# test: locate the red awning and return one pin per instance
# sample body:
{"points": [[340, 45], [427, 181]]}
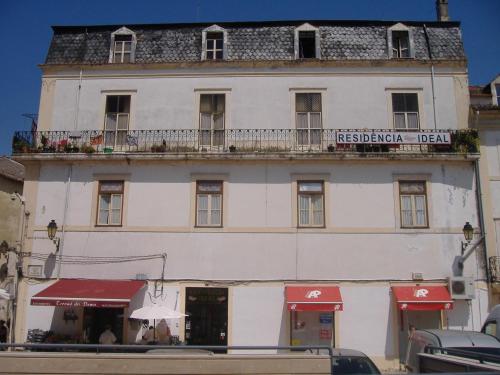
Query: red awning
{"points": [[313, 298], [422, 297], [88, 293]]}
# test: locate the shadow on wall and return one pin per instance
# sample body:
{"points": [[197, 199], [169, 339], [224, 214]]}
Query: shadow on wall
{"points": [[49, 266], [284, 334], [391, 351]]}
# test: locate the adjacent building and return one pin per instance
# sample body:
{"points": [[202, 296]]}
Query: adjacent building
{"points": [[280, 183], [485, 117]]}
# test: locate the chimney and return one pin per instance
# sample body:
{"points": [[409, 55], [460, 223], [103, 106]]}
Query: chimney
{"points": [[442, 10]]}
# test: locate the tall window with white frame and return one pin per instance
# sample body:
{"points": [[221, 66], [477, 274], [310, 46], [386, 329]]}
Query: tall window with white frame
{"points": [[311, 196], [308, 118], [215, 45], [400, 44], [209, 203], [110, 203], [497, 88], [122, 49], [413, 204], [117, 120], [212, 111], [405, 111]]}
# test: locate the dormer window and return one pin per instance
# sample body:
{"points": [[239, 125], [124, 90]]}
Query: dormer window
{"points": [[123, 43], [123, 49], [307, 42], [214, 43], [215, 46], [400, 42], [400, 45], [307, 45]]}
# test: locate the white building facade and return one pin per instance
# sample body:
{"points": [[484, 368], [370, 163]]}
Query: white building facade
{"points": [[281, 183]]}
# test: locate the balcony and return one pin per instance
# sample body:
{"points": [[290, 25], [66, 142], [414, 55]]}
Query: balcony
{"points": [[247, 141], [495, 269]]}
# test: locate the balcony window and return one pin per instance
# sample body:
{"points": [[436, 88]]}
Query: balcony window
{"points": [[117, 120], [308, 118], [212, 111]]}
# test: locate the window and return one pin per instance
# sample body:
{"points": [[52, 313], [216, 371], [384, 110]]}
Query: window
{"points": [[117, 118], [215, 46], [209, 203], [497, 88], [212, 109], [405, 110], [110, 203], [400, 44], [310, 204], [122, 50], [308, 118], [413, 204], [307, 44]]}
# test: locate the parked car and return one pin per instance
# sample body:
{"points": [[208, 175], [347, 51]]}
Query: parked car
{"points": [[348, 361], [491, 325], [452, 339]]}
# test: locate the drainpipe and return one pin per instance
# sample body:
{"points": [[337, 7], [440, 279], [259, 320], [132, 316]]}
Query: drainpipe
{"points": [[432, 76]]}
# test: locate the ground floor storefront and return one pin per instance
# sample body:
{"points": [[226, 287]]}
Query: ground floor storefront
{"points": [[374, 317]]}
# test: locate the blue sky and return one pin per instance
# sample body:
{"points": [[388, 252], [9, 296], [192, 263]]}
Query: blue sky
{"points": [[25, 32]]}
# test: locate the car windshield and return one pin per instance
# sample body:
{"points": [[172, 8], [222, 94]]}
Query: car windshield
{"points": [[353, 365]]}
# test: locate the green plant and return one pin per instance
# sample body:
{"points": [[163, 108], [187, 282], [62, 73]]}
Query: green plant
{"points": [[88, 149], [465, 141]]}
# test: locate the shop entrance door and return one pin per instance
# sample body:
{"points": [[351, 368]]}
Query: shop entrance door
{"points": [[96, 319], [206, 323], [419, 320]]}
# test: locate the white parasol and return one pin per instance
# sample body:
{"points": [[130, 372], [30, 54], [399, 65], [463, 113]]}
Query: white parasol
{"points": [[156, 312], [4, 294]]}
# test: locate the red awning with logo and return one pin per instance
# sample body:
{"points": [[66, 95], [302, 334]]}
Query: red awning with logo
{"points": [[313, 298], [88, 293], [422, 297]]}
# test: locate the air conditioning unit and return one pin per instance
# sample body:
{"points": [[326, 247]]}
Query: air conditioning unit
{"points": [[462, 287]]}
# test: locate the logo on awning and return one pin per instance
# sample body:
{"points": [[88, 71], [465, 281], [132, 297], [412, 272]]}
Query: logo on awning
{"points": [[421, 293], [313, 294]]}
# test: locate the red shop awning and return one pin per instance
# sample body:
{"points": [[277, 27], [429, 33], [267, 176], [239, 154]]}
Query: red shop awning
{"points": [[313, 298], [88, 293], [422, 297]]}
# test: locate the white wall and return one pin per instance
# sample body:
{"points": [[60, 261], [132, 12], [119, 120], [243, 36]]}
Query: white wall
{"points": [[354, 98]]}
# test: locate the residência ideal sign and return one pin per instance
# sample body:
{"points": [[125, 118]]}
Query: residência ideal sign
{"points": [[396, 138]]}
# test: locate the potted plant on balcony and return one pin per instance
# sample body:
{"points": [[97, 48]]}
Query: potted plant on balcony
{"points": [[465, 141], [232, 148], [88, 149]]}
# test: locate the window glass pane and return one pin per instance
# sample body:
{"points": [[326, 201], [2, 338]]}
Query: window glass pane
{"points": [[215, 217], [123, 38], [420, 210], [116, 201], [111, 186], [202, 217], [218, 55], [406, 216], [205, 121], [303, 210], [216, 202], [304, 217], [122, 121], [209, 186], [110, 121], [104, 201], [202, 202], [399, 121], [412, 187], [218, 120], [310, 186], [103, 217], [300, 102], [210, 55], [302, 120], [302, 137], [405, 102], [112, 103], [315, 102], [124, 104], [126, 57], [317, 206], [218, 44], [315, 137], [115, 217], [315, 120], [412, 120]]}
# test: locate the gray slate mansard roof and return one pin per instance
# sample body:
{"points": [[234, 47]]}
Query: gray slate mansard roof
{"points": [[253, 41]]}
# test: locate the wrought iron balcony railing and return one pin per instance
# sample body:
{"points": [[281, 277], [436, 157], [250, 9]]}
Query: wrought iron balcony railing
{"points": [[495, 269], [244, 140]]}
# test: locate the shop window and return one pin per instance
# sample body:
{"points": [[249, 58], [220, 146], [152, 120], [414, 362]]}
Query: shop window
{"points": [[405, 111], [310, 204], [212, 111], [413, 204], [312, 328], [209, 203], [110, 203], [308, 118], [116, 123]]}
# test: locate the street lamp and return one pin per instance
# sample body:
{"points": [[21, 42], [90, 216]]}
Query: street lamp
{"points": [[51, 233]]}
